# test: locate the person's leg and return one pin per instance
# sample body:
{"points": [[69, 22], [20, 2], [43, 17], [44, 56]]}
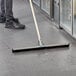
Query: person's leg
{"points": [[9, 13], [3, 7], [2, 12], [11, 22]]}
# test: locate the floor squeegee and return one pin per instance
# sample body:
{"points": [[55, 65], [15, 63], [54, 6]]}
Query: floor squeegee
{"points": [[40, 43]]}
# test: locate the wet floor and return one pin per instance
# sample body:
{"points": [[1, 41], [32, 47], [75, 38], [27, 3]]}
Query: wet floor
{"points": [[52, 62]]}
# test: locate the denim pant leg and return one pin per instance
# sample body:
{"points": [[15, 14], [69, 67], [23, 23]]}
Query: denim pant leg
{"points": [[3, 7], [9, 13]]}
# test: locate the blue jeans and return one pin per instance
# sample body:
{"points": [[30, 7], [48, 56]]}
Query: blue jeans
{"points": [[6, 8]]}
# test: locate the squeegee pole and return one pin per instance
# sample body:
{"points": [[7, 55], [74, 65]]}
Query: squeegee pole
{"points": [[35, 21]]}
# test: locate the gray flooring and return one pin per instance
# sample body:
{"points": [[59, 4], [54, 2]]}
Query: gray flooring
{"points": [[52, 62]]}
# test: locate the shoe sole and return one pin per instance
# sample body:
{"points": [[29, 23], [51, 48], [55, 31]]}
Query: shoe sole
{"points": [[10, 27]]}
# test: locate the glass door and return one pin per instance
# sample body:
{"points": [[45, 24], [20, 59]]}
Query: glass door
{"points": [[56, 12], [74, 18], [37, 2], [52, 9], [66, 15], [45, 6]]}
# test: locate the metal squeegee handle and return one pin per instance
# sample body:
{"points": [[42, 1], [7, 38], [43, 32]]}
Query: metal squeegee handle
{"points": [[35, 21]]}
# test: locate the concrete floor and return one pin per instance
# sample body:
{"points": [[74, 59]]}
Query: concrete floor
{"points": [[52, 62]]}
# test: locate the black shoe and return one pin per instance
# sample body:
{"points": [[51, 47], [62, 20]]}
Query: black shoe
{"points": [[15, 20], [14, 25], [2, 19]]}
